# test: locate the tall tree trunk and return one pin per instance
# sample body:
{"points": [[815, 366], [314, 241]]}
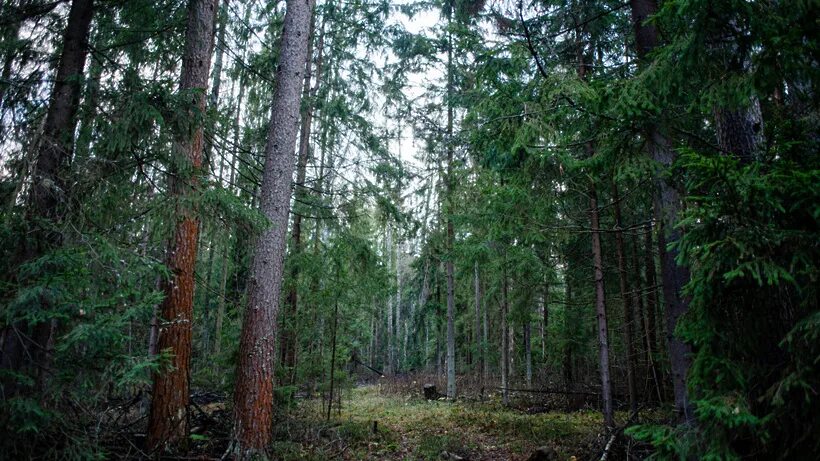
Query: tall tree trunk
{"points": [[647, 317], [451, 302], [168, 421], [48, 196], [89, 111], [600, 311], [505, 336], [652, 293], [485, 344], [667, 207], [223, 281], [597, 265], [399, 340], [333, 356], [545, 325], [629, 317], [479, 357], [213, 105], [388, 251], [566, 362], [511, 349], [528, 352], [288, 341], [253, 397]]}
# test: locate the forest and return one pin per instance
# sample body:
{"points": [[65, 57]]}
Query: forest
{"points": [[410, 230]]}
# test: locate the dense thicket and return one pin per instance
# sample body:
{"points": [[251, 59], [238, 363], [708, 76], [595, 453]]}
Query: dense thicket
{"points": [[589, 197]]}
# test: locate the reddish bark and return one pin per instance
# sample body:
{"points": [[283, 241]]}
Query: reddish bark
{"points": [[167, 422]]}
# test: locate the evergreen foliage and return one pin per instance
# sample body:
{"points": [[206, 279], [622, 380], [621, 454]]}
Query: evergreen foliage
{"points": [[502, 120]]}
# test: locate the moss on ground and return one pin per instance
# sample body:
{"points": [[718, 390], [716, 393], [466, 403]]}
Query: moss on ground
{"points": [[409, 428]]}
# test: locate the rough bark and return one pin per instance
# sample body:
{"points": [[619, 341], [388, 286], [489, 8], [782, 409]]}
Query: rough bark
{"points": [[740, 131], [674, 277], [26, 347], [600, 311], [288, 342], [253, 397], [667, 207], [739, 128], [168, 422], [629, 317]]}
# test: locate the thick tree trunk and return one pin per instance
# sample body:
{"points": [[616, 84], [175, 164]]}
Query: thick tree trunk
{"points": [[674, 277], [31, 351], [253, 397], [168, 421], [740, 131], [667, 204], [629, 317]]}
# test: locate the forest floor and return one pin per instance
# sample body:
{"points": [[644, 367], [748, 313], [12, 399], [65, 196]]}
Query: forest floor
{"points": [[407, 427]]}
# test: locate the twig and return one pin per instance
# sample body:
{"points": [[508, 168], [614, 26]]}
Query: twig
{"points": [[616, 433]]}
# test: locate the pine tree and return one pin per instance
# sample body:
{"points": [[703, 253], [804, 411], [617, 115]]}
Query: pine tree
{"points": [[168, 420], [253, 397]]}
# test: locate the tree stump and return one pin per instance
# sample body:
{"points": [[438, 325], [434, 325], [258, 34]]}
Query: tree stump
{"points": [[430, 392], [544, 454]]}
